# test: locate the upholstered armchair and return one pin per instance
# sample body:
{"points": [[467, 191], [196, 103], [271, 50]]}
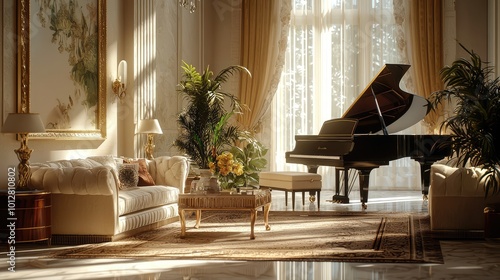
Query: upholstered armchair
{"points": [[457, 198]]}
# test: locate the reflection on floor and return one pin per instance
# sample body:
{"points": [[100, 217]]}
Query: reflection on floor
{"points": [[464, 259]]}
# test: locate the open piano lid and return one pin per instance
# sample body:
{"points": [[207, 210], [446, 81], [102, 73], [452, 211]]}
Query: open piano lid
{"points": [[399, 109]]}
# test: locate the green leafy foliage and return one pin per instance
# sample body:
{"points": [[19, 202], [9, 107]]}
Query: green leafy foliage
{"points": [[475, 124], [205, 128]]}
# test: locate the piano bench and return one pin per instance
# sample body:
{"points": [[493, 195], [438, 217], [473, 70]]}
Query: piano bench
{"points": [[290, 181]]}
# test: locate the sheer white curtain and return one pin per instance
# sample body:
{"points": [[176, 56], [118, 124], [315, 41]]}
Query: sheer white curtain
{"points": [[335, 48]]}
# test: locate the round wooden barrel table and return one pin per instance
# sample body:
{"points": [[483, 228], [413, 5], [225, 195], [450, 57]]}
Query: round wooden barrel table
{"points": [[25, 216]]}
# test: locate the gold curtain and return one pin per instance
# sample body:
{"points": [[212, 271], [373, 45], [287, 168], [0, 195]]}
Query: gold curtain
{"points": [[264, 33], [426, 28]]}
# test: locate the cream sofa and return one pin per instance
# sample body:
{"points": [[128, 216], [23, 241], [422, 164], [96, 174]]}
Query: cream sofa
{"points": [[457, 199], [90, 205]]}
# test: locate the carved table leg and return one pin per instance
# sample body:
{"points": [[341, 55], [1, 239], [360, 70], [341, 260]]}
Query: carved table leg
{"points": [[266, 216], [182, 219], [253, 215], [198, 219]]}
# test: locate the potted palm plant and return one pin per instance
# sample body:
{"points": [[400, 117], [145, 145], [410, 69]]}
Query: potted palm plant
{"points": [[475, 123], [205, 127]]}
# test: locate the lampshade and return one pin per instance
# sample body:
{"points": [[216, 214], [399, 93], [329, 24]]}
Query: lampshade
{"points": [[23, 123], [149, 126]]}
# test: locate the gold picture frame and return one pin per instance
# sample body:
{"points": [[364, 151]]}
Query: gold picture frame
{"points": [[62, 66]]}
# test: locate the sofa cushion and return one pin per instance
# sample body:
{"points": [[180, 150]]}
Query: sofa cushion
{"points": [[145, 179], [139, 198], [129, 175]]}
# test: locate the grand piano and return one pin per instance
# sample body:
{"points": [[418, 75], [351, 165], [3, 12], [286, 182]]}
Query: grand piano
{"points": [[362, 139]]}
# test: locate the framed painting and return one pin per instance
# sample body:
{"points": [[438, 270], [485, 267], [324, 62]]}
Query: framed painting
{"points": [[62, 66]]}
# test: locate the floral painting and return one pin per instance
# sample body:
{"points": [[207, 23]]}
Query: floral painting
{"points": [[66, 65]]}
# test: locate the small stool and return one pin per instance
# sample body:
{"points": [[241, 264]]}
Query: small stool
{"points": [[290, 181]]}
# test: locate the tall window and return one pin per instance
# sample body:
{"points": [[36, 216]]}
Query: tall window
{"points": [[335, 47]]}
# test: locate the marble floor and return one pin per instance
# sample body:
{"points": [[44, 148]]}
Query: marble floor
{"points": [[463, 259]]}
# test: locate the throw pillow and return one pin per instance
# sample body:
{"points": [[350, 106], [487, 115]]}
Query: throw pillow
{"points": [[145, 179], [128, 175]]}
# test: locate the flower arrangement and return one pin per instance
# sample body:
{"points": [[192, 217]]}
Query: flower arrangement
{"points": [[240, 166], [226, 168]]}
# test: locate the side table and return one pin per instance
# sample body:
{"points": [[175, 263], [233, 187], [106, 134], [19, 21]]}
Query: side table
{"points": [[25, 216]]}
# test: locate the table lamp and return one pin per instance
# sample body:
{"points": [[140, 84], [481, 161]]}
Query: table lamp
{"points": [[150, 127], [23, 124]]}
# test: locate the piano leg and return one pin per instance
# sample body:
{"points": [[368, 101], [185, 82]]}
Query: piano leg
{"points": [[338, 198], [425, 170], [312, 194], [337, 181], [346, 183], [364, 183]]}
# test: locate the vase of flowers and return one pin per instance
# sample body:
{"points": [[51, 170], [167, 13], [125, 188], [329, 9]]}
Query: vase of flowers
{"points": [[240, 166], [207, 183], [226, 168]]}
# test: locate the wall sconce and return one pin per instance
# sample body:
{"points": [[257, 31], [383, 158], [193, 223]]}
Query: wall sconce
{"points": [[120, 83], [23, 124], [151, 127]]}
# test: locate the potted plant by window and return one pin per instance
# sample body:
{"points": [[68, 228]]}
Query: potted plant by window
{"points": [[475, 123], [205, 127]]}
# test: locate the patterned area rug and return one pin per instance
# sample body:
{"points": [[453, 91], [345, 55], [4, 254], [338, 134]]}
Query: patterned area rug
{"points": [[294, 236]]}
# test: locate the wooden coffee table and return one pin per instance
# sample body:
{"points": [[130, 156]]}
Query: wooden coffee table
{"points": [[225, 202]]}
